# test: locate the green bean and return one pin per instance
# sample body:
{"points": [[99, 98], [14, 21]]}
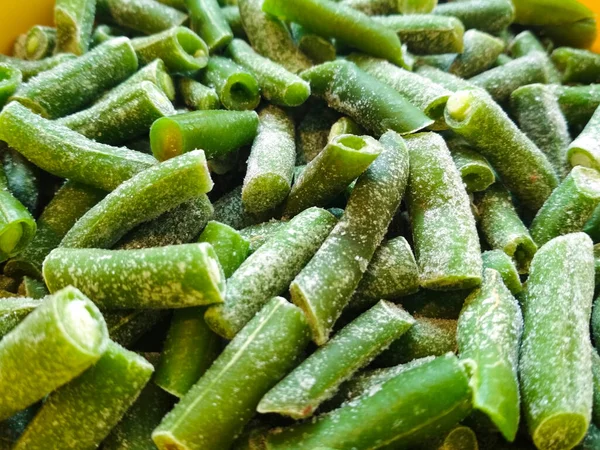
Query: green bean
{"points": [[237, 88], [374, 105], [317, 48], [177, 4], [488, 334], [342, 161], [13, 311], [372, 7], [71, 202], [209, 416], [10, 79], [229, 209], [103, 33], [523, 168], [301, 392], [32, 68], [74, 20], [121, 118], [233, 17], [40, 42], [313, 132], [82, 413], [33, 288], [446, 242], [52, 345], [155, 72], [216, 132], [189, 350], [584, 151], [447, 80], [555, 361], [539, 116], [344, 125], [258, 234], [502, 59], [180, 48], [425, 33], [525, 43], [429, 97], [145, 16], [569, 206], [18, 48], [277, 84], [577, 66], [207, 20], [591, 440], [372, 420], [476, 173], [229, 245], [578, 103], [324, 287], [68, 87], [489, 16], [269, 270], [271, 163], [270, 37], [66, 153], [505, 266], [144, 197], [597, 266], [596, 381], [479, 54], [127, 326], [24, 179], [197, 96]]}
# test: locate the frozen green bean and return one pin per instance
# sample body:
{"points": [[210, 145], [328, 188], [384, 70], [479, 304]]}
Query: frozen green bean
{"points": [[596, 378], [569, 206], [343, 159], [24, 179], [505, 266], [373, 7], [426, 34], [555, 361], [258, 234], [269, 270], [577, 66], [32, 68], [376, 106], [479, 54], [317, 48], [233, 17], [144, 16], [82, 413], [33, 288], [10, 79], [229, 209], [155, 72], [584, 150], [447, 80], [144, 197], [502, 59], [236, 87], [346, 25], [490, 16], [476, 173], [271, 162], [60, 339], [13, 311], [313, 132], [68, 87], [207, 20], [522, 167], [324, 287], [229, 245], [103, 33], [525, 43], [74, 20], [180, 48], [197, 96], [217, 408], [216, 132], [578, 103], [344, 125]]}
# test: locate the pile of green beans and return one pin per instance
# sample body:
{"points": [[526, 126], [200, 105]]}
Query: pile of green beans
{"points": [[301, 225]]}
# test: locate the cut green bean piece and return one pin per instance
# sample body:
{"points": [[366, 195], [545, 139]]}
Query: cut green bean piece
{"points": [[177, 276], [505, 266], [427, 337], [229, 209], [371, 103], [34, 288], [503, 229], [145, 16], [313, 132], [258, 234], [237, 88], [344, 159], [271, 162], [426, 95], [416, 6], [373, 7], [142, 198], [180, 48], [324, 287], [10, 79], [229, 245], [262, 353], [490, 16], [233, 17], [55, 343], [585, 150], [188, 352], [569, 207], [119, 119], [447, 80], [207, 20], [555, 361], [13, 311], [24, 179], [155, 72], [426, 34], [577, 66], [84, 411], [103, 33], [344, 125], [525, 43], [71, 202], [277, 84], [68, 87], [32, 68], [197, 96], [489, 332], [523, 168], [539, 116], [476, 173], [216, 132], [444, 232], [430, 398], [502, 59], [317, 48], [269, 270], [353, 347], [479, 54], [346, 25], [270, 37], [74, 20], [127, 326], [578, 103]]}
